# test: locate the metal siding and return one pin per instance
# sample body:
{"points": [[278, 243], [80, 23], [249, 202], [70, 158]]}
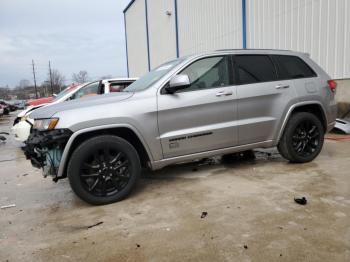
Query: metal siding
{"points": [[206, 25], [161, 28], [136, 39], [318, 27]]}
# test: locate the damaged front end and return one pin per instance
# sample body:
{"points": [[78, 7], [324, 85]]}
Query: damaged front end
{"points": [[45, 148]]}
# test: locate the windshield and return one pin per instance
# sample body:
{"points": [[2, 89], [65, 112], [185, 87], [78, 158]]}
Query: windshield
{"points": [[64, 92], [153, 76]]}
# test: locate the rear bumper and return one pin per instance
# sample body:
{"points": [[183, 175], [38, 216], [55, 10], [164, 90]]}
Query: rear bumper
{"points": [[342, 125]]}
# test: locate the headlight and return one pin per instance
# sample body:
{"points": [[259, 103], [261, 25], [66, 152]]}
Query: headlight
{"points": [[45, 124]]}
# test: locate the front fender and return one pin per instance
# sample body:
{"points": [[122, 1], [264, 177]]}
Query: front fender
{"points": [[71, 140]]}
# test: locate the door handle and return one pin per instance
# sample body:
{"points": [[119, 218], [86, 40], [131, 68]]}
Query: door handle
{"points": [[224, 93], [282, 86]]}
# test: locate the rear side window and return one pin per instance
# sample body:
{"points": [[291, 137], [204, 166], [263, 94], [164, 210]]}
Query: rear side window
{"points": [[292, 67]]}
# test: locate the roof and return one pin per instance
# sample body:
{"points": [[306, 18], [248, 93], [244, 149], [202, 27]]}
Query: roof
{"points": [[251, 49], [128, 6], [261, 51]]}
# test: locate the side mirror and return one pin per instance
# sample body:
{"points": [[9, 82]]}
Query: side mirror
{"points": [[177, 83]]}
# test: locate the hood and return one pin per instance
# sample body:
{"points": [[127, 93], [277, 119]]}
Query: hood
{"points": [[49, 110]]}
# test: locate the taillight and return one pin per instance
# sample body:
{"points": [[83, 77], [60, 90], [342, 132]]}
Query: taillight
{"points": [[332, 85]]}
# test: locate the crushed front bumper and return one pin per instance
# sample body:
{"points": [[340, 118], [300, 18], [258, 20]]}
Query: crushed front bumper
{"points": [[44, 149]]}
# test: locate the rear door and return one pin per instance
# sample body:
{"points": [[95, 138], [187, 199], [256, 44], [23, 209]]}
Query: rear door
{"points": [[262, 98], [202, 116]]}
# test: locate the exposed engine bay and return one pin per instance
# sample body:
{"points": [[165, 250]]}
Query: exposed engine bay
{"points": [[44, 149]]}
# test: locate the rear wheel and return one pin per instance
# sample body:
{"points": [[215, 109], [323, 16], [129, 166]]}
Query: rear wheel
{"points": [[302, 139], [103, 169]]}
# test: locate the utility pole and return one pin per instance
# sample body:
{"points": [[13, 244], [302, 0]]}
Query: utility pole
{"points": [[36, 91], [50, 77]]}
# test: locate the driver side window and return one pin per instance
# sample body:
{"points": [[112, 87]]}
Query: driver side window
{"points": [[211, 72]]}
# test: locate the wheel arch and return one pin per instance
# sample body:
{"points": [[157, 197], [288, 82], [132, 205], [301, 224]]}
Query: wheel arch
{"points": [[126, 132], [313, 107]]}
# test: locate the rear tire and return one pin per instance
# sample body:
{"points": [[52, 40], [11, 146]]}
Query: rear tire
{"points": [[103, 169], [302, 139]]}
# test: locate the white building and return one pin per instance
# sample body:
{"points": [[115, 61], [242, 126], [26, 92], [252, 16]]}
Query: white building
{"points": [[160, 30]]}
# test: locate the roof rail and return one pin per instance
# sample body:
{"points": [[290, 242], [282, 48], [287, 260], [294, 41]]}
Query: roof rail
{"points": [[256, 49]]}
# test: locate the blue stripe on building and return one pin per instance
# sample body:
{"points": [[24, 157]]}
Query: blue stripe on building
{"points": [[126, 48], [147, 35], [244, 24], [176, 31]]}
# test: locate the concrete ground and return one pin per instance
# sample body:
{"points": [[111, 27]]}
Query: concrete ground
{"points": [[251, 214]]}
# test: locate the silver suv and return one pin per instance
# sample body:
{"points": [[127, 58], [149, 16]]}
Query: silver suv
{"points": [[189, 108]]}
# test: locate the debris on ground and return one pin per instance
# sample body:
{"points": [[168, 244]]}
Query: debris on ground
{"points": [[300, 201], [95, 225], [8, 206], [204, 214], [25, 174], [205, 162], [267, 154], [2, 138], [137, 245], [238, 157], [245, 247]]}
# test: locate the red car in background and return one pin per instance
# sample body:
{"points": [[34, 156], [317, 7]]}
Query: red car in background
{"points": [[39, 101], [46, 100]]}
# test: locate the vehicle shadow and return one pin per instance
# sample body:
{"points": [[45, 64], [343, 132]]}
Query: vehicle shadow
{"points": [[206, 167]]}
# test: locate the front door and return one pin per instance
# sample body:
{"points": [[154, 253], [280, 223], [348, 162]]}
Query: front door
{"points": [[202, 116]]}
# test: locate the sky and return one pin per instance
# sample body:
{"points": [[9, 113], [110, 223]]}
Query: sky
{"points": [[73, 34]]}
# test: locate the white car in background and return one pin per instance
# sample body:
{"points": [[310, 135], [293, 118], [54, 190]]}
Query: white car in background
{"points": [[23, 123]]}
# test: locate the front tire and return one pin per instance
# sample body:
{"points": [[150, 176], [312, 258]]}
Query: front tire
{"points": [[103, 169], [302, 139]]}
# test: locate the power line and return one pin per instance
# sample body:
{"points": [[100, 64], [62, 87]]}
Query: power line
{"points": [[36, 91], [50, 77]]}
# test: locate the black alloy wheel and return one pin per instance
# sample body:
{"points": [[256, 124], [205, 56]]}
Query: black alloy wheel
{"points": [[103, 169], [105, 172], [302, 139], [306, 138]]}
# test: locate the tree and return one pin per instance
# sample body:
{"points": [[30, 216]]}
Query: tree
{"points": [[81, 77], [57, 80]]}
